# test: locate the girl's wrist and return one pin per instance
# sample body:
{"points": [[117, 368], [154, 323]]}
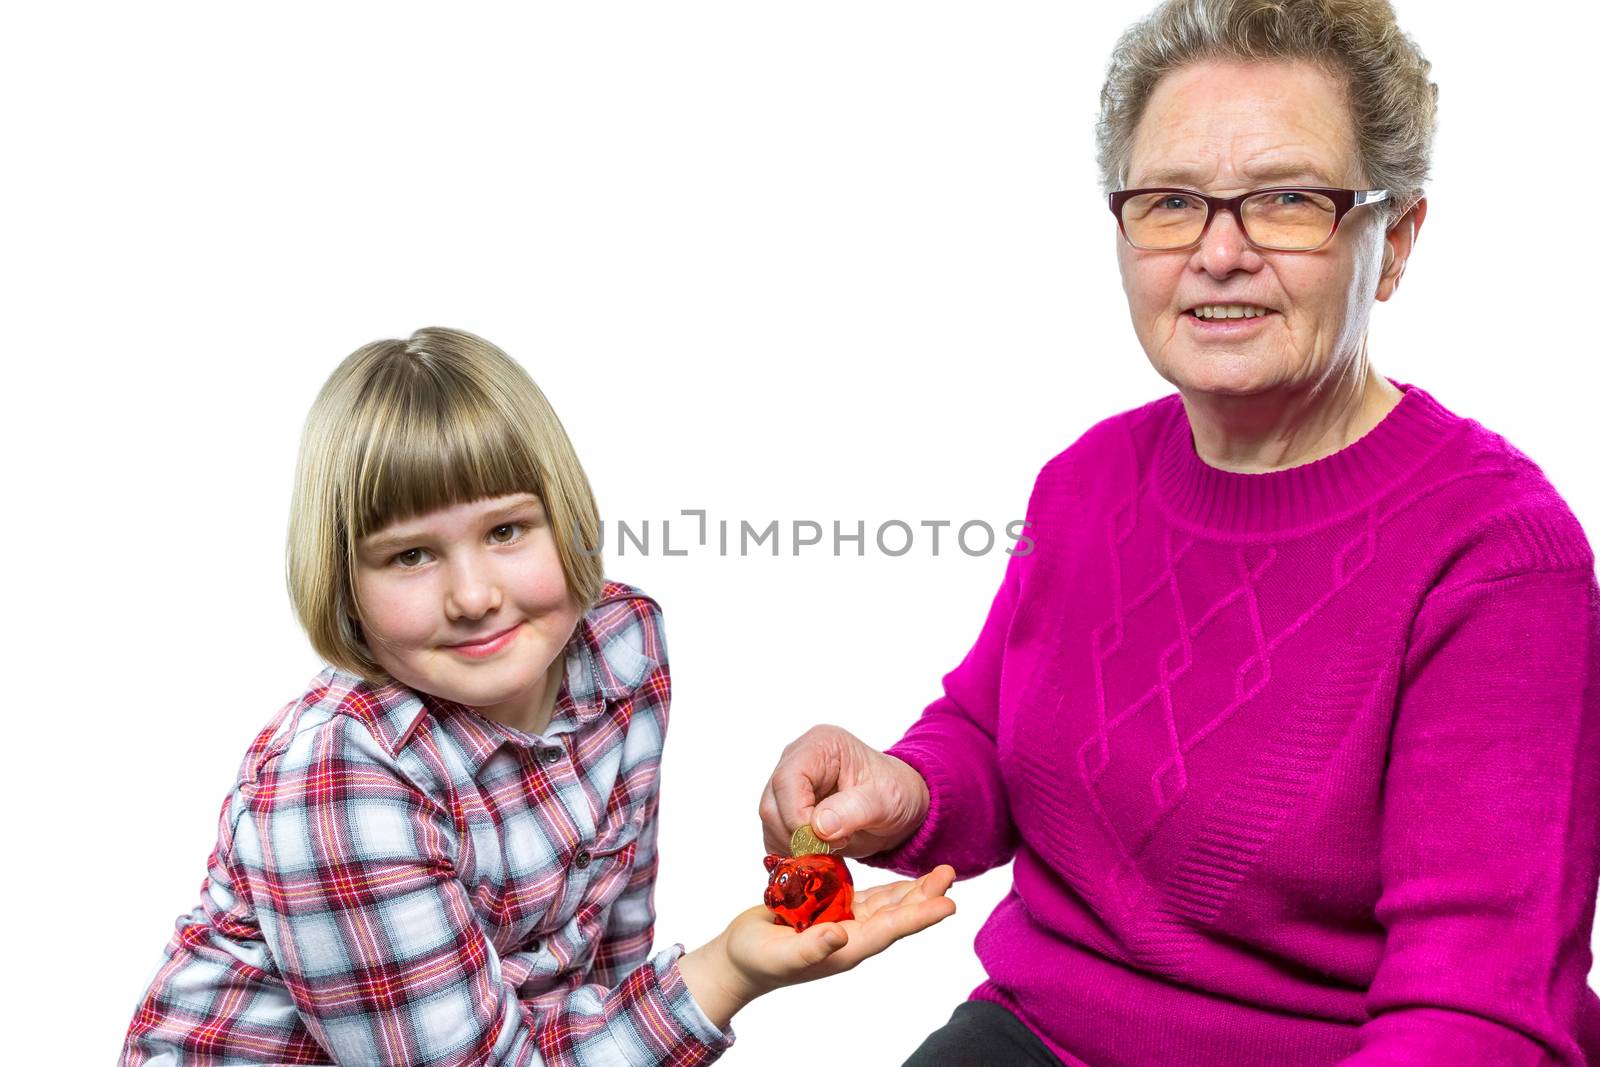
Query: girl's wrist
{"points": [[718, 986]]}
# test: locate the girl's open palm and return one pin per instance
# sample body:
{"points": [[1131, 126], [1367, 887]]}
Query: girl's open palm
{"points": [[772, 955]]}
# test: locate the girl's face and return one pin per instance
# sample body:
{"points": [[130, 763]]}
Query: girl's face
{"points": [[469, 603]]}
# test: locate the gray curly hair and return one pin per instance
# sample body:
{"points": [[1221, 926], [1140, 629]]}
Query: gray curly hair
{"points": [[1357, 42]]}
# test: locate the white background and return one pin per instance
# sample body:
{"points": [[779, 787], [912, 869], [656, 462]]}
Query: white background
{"points": [[829, 261]]}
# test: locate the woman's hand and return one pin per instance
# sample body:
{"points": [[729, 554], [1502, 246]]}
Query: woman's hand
{"points": [[852, 795], [756, 954]]}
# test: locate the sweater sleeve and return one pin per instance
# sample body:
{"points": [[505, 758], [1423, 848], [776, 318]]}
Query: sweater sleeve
{"points": [[953, 747], [954, 744], [1489, 849]]}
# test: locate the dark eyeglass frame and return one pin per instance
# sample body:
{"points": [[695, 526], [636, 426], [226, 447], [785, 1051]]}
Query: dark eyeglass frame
{"points": [[1344, 200]]}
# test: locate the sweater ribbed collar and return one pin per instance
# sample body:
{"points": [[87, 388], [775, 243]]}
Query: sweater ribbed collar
{"points": [[1306, 496]]}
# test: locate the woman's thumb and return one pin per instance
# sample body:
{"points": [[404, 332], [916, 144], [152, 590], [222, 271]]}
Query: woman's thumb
{"points": [[845, 812]]}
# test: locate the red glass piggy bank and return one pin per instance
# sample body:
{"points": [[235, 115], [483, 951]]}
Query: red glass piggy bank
{"points": [[805, 890]]}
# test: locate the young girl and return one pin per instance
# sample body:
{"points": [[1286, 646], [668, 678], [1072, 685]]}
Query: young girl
{"points": [[444, 851]]}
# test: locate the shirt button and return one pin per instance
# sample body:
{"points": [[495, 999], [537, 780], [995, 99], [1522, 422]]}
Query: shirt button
{"points": [[582, 858], [552, 754]]}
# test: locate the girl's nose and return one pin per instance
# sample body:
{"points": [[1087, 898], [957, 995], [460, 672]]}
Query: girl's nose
{"points": [[473, 591]]}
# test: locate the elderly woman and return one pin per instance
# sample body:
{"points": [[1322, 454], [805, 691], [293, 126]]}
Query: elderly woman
{"points": [[1290, 724]]}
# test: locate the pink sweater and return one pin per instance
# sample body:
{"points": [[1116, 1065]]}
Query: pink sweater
{"points": [[1294, 768]]}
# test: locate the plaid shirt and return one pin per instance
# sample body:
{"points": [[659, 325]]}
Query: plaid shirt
{"points": [[398, 880]]}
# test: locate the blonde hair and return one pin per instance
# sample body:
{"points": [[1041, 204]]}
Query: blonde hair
{"points": [[402, 428], [1357, 42]]}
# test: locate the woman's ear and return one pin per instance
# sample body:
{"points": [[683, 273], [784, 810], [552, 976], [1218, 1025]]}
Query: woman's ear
{"points": [[1398, 241]]}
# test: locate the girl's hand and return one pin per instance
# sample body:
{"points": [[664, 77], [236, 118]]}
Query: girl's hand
{"points": [[756, 954], [771, 955]]}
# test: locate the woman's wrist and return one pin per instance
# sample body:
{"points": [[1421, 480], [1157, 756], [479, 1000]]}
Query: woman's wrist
{"points": [[914, 799], [714, 982]]}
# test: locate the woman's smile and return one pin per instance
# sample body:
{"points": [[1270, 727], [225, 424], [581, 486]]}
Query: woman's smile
{"points": [[1207, 324]]}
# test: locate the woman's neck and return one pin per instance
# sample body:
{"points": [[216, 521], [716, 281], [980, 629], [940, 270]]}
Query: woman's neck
{"points": [[1275, 431]]}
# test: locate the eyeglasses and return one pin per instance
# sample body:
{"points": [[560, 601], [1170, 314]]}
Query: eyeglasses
{"points": [[1280, 219]]}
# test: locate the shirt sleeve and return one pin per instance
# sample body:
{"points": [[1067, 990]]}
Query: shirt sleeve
{"points": [[351, 870], [630, 924], [1489, 837], [954, 743]]}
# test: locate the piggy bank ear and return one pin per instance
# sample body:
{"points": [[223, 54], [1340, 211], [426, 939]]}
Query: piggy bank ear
{"points": [[814, 882], [772, 861]]}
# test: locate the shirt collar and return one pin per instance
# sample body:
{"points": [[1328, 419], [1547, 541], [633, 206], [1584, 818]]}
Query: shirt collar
{"points": [[603, 666]]}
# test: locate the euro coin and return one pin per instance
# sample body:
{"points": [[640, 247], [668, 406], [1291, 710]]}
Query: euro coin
{"points": [[805, 843]]}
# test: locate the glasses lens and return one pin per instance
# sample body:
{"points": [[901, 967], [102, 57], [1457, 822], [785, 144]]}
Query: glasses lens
{"points": [[1163, 220], [1288, 219]]}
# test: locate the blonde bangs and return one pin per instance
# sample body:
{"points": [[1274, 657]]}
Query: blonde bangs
{"points": [[423, 443]]}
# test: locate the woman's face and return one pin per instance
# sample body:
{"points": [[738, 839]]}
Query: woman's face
{"points": [[1223, 129], [461, 574]]}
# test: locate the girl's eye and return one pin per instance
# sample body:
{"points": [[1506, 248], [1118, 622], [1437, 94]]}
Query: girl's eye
{"points": [[401, 558]]}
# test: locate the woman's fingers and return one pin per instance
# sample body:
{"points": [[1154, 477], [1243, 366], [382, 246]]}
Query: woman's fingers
{"points": [[861, 807], [772, 822], [856, 798], [795, 785]]}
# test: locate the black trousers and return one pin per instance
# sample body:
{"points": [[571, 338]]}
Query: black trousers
{"points": [[982, 1034]]}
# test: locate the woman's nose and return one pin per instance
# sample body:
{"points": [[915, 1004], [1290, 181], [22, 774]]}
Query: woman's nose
{"points": [[1223, 249]]}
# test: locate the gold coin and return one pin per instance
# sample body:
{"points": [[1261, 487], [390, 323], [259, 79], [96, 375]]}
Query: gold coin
{"points": [[806, 843]]}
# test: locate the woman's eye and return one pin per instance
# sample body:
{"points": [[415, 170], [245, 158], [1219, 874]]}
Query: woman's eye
{"points": [[1174, 202]]}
